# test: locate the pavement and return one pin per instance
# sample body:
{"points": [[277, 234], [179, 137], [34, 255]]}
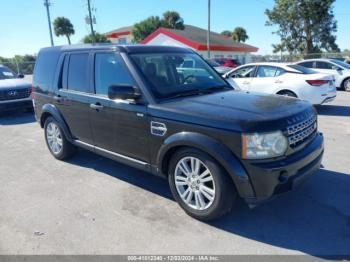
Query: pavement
{"points": [[92, 205]]}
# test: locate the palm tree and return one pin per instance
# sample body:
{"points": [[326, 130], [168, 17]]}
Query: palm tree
{"points": [[63, 27], [239, 35]]}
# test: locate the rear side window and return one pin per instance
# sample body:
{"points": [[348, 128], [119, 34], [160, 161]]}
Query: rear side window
{"points": [[302, 69], [110, 70], [309, 64], [45, 69], [77, 72], [323, 65], [266, 71]]}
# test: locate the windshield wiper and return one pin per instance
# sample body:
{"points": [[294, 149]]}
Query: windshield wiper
{"points": [[186, 93]]}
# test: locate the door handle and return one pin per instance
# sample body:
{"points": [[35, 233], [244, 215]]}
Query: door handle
{"points": [[246, 83], [278, 82], [96, 106]]}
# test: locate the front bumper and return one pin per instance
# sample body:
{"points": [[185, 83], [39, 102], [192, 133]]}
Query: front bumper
{"points": [[272, 178], [25, 103]]}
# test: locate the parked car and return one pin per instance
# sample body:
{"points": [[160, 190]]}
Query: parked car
{"points": [[220, 69], [133, 104], [340, 70], [227, 62], [14, 91], [284, 79]]}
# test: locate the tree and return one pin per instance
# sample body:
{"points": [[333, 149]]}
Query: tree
{"points": [[63, 27], [170, 19], [227, 33], [99, 38], [304, 26], [239, 34]]}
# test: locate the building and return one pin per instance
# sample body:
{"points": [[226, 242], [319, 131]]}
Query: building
{"points": [[122, 36], [194, 38]]}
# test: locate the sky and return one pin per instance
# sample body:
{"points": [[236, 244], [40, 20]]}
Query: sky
{"points": [[24, 26]]}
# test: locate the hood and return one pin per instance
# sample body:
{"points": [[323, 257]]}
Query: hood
{"points": [[235, 110], [14, 83]]}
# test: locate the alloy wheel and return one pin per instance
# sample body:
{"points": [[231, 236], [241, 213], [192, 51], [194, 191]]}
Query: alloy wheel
{"points": [[54, 138], [194, 183]]}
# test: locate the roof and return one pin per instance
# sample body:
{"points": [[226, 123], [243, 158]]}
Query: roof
{"points": [[196, 38], [119, 32], [121, 48]]}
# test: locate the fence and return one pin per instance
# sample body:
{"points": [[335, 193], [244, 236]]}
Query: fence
{"points": [[345, 56]]}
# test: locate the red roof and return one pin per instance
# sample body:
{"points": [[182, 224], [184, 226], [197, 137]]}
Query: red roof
{"points": [[195, 38]]}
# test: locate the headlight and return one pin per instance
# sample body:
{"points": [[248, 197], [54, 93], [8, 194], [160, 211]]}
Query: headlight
{"points": [[264, 145]]}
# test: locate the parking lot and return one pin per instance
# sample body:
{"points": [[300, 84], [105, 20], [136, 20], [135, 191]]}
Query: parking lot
{"points": [[92, 205]]}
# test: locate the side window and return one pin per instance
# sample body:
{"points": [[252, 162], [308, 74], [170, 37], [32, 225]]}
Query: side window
{"points": [[266, 71], [323, 65], [279, 71], [244, 72], [77, 72], [309, 64], [110, 70]]}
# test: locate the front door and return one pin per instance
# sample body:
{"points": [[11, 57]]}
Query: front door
{"points": [[267, 79], [119, 126], [242, 77]]}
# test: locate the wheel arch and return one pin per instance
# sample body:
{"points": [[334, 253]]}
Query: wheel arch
{"points": [[343, 82], [287, 90], [49, 110], [213, 148]]}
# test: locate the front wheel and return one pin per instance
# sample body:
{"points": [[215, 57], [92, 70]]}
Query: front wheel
{"points": [[346, 85], [200, 185]]}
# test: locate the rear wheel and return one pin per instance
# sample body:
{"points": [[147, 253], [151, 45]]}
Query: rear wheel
{"points": [[346, 85], [57, 143], [200, 185], [287, 93]]}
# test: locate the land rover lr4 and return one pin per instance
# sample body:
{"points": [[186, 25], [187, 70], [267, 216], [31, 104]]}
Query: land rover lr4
{"points": [[143, 106]]}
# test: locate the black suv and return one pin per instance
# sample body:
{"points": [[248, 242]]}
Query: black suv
{"points": [[140, 106]]}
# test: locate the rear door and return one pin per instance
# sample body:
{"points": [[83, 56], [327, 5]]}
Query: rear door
{"points": [[243, 77], [267, 79], [73, 96], [119, 126]]}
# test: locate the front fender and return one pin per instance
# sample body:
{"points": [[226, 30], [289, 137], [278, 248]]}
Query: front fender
{"points": [[216, 150], [50, 109]]}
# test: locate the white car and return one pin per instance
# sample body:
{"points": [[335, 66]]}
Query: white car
{"points": [[284, 79], [340, 70]]}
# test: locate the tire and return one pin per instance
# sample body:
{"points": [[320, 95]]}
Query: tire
{"points": [[346, 85], [287, 93], [56, 141], [202, 206]]}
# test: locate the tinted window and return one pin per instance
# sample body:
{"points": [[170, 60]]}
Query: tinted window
{"points": [[345, 65], [266, 71], [309, 64], [77, 72], [6, 73], [302, 69], [110, 70], [244, 72], [279, 71], [323, 65], [45, 68]]}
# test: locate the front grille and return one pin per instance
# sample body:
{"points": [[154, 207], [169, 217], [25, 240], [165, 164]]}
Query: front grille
{"points": [[302, 131], [13, 94]]}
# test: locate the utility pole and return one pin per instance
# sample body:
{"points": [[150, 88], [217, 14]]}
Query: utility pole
{"points": [[47, 4], [91, 23], [208, 31]]}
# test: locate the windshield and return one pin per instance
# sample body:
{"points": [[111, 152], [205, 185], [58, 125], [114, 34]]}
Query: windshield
{"points": [[178, 74], [342, 64], [213, 63], [6, 73], [302, 69]]}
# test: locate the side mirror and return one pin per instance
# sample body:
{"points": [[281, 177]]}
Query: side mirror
{"points": [[123, 92], [20, 76]]}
